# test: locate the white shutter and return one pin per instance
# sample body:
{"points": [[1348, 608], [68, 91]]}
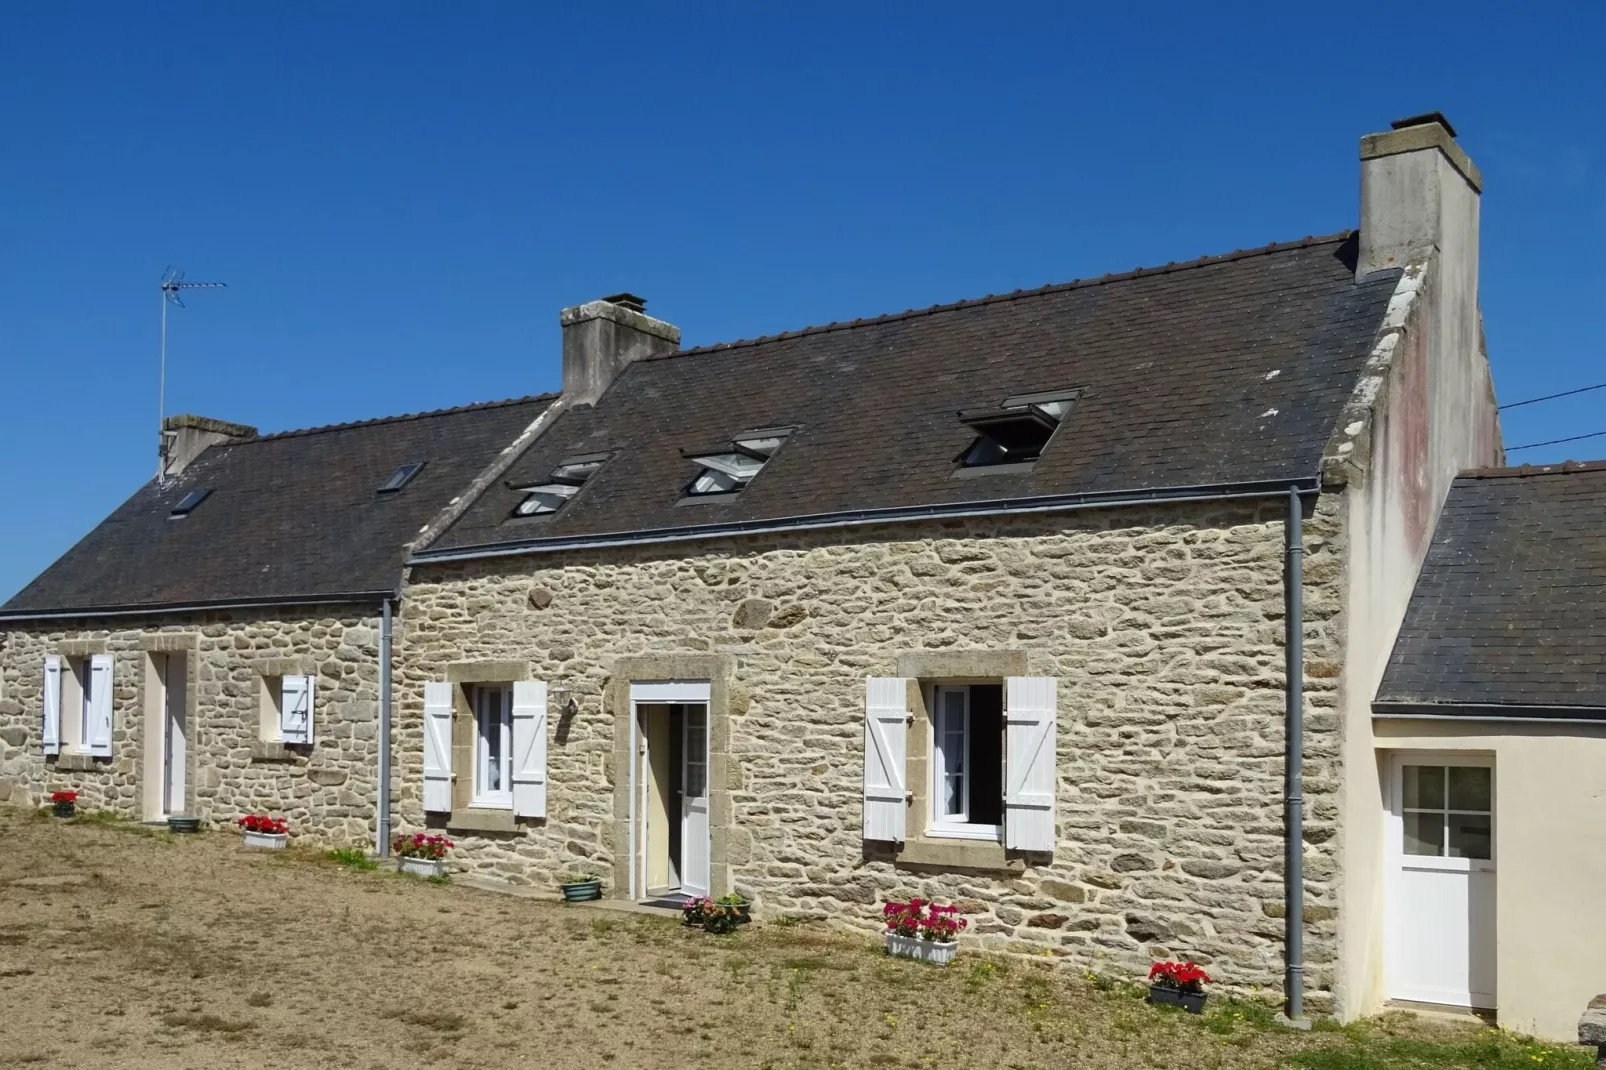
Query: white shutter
{"points": [[529, 748], [1029, 763], [438, 746], [295, 709], [51, 730], [100, 706], [886, 734]]}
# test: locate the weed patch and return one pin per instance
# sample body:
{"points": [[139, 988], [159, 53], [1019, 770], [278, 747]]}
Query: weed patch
{"points": [[352, 858]]}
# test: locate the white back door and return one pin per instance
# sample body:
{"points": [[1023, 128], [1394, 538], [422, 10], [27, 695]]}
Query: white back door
{"points": [[694, 849], [1441, 911]]}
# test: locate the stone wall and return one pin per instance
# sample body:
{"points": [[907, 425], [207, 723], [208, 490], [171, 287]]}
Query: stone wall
{"points": [[327, 791], [1164, 627]]}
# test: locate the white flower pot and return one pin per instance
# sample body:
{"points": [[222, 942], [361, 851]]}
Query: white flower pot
{"points": [[912, 947], [422, 867], [271, 841]]}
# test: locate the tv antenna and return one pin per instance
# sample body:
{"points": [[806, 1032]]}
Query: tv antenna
{"points": [[173, 287]]}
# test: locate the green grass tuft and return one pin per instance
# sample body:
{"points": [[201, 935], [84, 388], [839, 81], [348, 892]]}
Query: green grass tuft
{"points": [[352, 858]]}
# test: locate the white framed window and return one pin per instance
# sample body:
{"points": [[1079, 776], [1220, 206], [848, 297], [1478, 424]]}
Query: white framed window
{"points": [[79, 729], [1447, 811], [967, 761], [493, 746]]}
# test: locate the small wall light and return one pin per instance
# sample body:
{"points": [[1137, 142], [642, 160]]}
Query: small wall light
{"points": [[564, 697]]}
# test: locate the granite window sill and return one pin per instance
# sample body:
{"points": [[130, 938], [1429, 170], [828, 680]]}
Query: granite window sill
{"points": [[939, 853], [270, 750], [66, 762], [476, 819]]}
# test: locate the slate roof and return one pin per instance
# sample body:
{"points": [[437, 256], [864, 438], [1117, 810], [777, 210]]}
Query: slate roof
{"points": [[1508, 615], [1226, 370], [290, 516]]}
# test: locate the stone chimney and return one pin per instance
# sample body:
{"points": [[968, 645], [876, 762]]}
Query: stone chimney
{"points": [[184, 437], [1419, 193], [601, 337]]}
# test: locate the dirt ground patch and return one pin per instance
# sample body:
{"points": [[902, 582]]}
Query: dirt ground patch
{"points": [[120, 947]]}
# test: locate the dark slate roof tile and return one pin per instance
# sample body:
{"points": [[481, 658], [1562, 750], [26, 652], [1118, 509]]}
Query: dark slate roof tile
{"points": [[290, 515], [1174, 364], [1510, 606]]}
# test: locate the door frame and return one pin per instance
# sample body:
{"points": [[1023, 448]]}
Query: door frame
{"points": [[655, 693], [1394, 851]]}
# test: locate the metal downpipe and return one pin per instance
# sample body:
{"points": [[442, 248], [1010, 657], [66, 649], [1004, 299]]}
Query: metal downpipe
{"points": [[1294, 762], [382, 815]]}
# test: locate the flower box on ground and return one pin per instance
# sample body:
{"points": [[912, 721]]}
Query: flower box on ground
{"points": [[271, 841], [941, 952], [1192, 1002], [63, 809], [422, 867], [581, 891]]}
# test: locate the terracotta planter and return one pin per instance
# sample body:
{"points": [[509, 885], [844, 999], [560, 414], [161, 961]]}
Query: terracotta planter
{"points": [[422, 867], [940, 952], [1192, 1002], [269, 841]]}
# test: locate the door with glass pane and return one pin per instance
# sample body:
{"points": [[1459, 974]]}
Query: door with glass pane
{"points": [[694, 802], [1441, 922]]}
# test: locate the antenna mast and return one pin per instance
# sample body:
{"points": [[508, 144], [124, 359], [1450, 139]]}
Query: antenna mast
{"points": [[173, 287]]}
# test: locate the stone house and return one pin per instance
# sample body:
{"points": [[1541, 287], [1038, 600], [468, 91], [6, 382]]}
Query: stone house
{"points": [[989, 601], [213, 647], [984, 602]]}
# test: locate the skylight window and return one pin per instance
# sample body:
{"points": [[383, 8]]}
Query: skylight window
{"points": [[188, 503], [400, 477], [564, 483], [1015, 433], [728, 471]]}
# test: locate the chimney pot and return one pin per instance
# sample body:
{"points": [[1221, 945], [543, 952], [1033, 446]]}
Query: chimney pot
{"points": [[1425, 119], [628, 300]]}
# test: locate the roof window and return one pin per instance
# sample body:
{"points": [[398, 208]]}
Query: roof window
{"points": [[564, 483], [1015, 433], [728, 470], [400, 477], [188, 503]]}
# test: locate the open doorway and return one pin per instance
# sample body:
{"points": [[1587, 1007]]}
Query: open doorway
{"points": [[167, 736], [671, 792]]}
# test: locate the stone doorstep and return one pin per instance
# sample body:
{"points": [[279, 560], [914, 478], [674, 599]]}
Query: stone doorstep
{"points": [[617, 906], [1443, 1011]]}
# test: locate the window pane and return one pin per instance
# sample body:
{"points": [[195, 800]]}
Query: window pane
{"points": [[1424, 787], [1424, 834], [951, 744], [1469, 836], [1471, 788]]}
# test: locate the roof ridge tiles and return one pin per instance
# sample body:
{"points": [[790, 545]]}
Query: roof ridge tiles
{"points": [[1338, 237], [399, 418], [1562, 468]]}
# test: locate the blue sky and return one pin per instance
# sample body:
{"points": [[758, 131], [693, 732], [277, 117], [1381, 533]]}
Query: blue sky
{"points": [[401, 200]]}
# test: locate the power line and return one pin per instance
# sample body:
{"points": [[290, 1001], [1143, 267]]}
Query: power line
{"points": [[1551, 397], [1556, 441]]}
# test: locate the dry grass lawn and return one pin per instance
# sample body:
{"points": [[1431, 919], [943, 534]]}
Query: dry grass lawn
{"points": [[120, 947]]}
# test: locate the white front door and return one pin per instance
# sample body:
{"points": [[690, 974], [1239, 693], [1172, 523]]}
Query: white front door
{"points": [[694, 802], [1441, 914], [175, 739]]}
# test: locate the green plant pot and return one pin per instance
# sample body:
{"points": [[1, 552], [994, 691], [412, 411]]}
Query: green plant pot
{"points": [[581, 891], [184, 824]]}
